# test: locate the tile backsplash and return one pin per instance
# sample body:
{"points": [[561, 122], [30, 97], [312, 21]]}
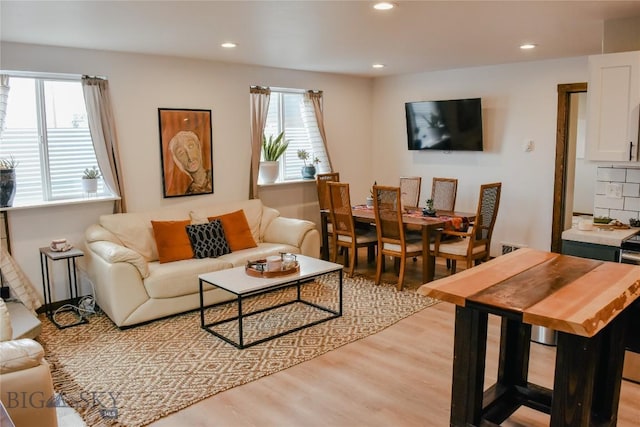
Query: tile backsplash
{"points": [[619, 208]]}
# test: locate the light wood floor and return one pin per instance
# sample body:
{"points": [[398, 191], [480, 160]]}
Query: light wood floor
{"points": [[398, 377]]}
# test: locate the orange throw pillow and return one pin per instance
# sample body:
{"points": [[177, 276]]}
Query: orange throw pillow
{"points": [[236, 230], [172, 240]]}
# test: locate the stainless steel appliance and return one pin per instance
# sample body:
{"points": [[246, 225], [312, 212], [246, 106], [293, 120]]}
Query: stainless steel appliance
{"points": [[630, 254]]}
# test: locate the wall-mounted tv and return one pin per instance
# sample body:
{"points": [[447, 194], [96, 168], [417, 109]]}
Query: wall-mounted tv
{"points": [[451, 125]]}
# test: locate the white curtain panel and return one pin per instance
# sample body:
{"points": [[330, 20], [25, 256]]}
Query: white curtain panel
{"points": [[259, 98], [103, 134]]}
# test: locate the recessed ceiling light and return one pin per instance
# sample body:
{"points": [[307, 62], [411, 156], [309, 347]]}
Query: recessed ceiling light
{"points": [[377, 66], [527, 46], [384, 5], [228, 45]]}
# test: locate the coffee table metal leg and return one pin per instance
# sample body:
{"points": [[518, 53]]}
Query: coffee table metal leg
{"points": [[241, 337], [201, 305], [340, 296]]}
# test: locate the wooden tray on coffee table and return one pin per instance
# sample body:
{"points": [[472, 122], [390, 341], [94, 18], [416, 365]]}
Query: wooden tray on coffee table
{"points": [[254, 272]]}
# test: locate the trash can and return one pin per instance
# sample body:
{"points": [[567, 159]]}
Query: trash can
{"points": [[543, 335]]}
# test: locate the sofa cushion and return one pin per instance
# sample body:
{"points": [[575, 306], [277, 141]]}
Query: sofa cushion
{"points": [[208, 240], [179, 278], [172, 240], [236, 230], [19, 354], [134, 229], [253, 210]]}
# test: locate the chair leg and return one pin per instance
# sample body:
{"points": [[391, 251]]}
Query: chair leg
{"points": [[448, 264], [379, 267], [403, 262], [371, 253], [334, 252], [453, 266], [352, 260]]}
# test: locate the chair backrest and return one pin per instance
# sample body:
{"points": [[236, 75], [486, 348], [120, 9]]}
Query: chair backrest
{"points": [[410, 190], [340, 208], [443, 193], [487, 212], [388, 211], [321, 184]]}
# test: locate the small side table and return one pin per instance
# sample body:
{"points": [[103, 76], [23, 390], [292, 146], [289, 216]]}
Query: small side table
{"points": [[46, 255]]}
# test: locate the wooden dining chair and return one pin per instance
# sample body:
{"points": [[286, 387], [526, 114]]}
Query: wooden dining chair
{"points": [[410, 191], [443, 194], [323, 200], [473, 245], [392, 237], [345, 234], [321, 183]]}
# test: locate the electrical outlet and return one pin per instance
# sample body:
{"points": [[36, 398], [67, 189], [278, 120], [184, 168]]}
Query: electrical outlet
{"points": [[613, 191]]}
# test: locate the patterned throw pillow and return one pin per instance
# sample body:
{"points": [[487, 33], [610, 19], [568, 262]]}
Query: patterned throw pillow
{"points": [[208, 240]]}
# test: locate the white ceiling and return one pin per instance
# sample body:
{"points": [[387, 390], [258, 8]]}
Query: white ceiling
{"points": [[329, 36]]}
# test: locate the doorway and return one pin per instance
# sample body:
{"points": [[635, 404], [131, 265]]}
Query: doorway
{"points": [[563, 182]]}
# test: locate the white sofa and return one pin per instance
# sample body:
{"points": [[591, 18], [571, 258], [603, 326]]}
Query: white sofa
{"points": [[26, 387], [132, 286]]}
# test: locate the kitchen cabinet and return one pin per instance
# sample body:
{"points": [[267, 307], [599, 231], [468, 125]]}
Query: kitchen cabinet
{"points": [[596, 244], [613, 107], [590, 250]]}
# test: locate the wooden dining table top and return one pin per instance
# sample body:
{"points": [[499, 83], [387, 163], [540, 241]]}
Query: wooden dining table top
{"points": [[413, 217], [565, 293]]}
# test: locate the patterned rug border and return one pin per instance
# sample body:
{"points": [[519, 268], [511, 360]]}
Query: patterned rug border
{"points": [[66, 383]]}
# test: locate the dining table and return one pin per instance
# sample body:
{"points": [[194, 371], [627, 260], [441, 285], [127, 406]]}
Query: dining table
{"points": [[413, 219], [587, 302]]}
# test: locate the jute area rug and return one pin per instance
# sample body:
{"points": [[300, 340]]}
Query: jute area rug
{"points": [[135, 376]]}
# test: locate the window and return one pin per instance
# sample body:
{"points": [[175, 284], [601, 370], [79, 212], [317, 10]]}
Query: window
{"points": [[289, 111], [46, 130]]}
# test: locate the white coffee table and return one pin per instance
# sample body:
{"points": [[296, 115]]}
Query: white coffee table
{"points": [[239, 283]]}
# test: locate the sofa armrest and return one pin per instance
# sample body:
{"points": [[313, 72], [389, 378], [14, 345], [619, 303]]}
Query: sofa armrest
{"points": [[26, 387], [114, 253], [289, 231], [17, 355]]}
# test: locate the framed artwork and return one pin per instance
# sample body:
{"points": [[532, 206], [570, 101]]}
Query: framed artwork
{"points": [[186, 152]]}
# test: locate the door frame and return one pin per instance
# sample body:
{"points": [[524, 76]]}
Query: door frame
{"points": [[562, 144]]}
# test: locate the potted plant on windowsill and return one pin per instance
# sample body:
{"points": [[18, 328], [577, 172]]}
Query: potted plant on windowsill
{"points": [[7, 181], [308, 170], [90, 178], [272, 150]]}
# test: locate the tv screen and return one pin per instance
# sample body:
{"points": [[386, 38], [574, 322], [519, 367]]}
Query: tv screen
{"points": [[449, 125]]}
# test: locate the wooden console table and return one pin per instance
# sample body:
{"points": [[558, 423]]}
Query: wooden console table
{"points": [[584, 300]]}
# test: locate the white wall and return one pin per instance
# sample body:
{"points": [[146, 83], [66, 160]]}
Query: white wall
{"points": [[519, 104], [139, 85], [365, 126]]}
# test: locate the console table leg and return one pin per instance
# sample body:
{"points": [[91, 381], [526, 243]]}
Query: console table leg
{"points": [[576, 361], [470, 347], [606, 390]]}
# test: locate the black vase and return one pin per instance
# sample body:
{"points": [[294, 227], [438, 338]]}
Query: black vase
{"points": [[7, 187]]}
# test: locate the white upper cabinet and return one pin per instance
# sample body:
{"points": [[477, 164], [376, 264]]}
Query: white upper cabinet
{"points": [[613, 107]]}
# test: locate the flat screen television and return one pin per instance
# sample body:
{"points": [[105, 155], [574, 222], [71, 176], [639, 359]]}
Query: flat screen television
{"points": [[451, 125]]}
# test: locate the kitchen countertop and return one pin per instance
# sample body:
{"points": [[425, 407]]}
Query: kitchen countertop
{"points": [[599, 236]]}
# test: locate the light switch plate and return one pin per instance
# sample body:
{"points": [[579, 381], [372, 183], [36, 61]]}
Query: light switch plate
{"points": [[614, 191]]}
